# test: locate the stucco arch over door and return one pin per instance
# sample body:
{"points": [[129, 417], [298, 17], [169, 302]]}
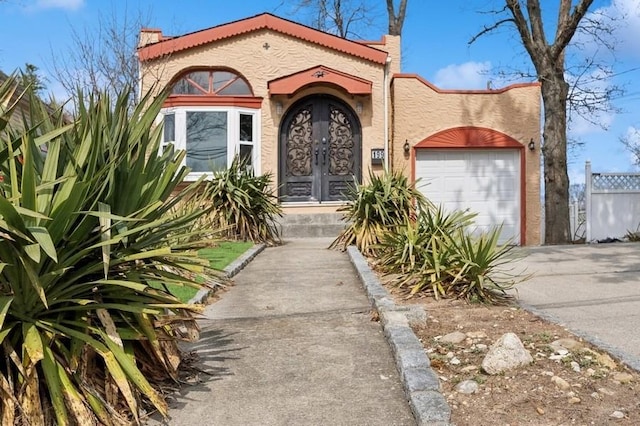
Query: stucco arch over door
{"points": [[479, 169], [320, 150]]}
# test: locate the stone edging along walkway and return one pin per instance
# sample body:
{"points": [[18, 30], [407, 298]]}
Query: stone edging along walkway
{"points": [[420, 382], [232, 269]]}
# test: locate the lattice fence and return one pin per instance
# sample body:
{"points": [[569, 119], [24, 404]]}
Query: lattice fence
{"points": [[615, 182], [612, 205]]}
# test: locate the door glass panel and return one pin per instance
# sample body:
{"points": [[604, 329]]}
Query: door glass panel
{"points": [[246, 128], [206, 140], [299, 144], [341, 144]]}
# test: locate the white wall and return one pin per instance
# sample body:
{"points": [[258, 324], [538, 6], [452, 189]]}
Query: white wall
{"points": [[611, 212]]}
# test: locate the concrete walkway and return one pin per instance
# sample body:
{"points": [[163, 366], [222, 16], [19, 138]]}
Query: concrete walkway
{"points": [[292, 343], [593, 290]]}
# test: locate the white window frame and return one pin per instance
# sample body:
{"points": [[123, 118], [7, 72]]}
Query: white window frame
{"points": [[233, 133]]}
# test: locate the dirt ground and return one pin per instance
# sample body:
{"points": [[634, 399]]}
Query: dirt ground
{"points": [[595, 389]]}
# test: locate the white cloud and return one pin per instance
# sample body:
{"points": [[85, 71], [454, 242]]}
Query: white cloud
{"points": [[59, 4], [622, 17], [631, 140], [469, 75]]}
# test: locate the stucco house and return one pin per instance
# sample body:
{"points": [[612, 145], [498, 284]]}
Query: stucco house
{"points": [[317, 110]]}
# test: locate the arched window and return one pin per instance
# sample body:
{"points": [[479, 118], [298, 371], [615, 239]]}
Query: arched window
{"points": [[213, 115], [212, 82]]}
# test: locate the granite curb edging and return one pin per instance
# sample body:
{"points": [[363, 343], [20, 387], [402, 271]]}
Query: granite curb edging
{"points": [[231, 270], [420, 382]]}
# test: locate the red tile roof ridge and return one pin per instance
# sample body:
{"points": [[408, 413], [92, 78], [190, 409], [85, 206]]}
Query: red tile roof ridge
{"points": [[254, 23]]}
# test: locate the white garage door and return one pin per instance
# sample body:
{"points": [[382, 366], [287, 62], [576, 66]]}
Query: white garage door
{"points": [[487, 182]]}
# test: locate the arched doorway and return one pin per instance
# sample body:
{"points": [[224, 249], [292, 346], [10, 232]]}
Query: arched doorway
{"points": [[320, 150]]}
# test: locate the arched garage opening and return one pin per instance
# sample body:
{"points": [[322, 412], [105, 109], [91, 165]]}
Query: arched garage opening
{"points": [[478, 169]]}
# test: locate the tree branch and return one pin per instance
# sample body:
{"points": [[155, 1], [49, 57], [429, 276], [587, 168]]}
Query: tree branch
{"points": [[568, 27], [488, 29]]}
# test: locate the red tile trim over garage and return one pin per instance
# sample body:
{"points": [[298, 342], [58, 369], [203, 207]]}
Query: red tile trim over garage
{"points": [[290, 84], [469, 137], [464, 92], [478, 138], [267, 21]]}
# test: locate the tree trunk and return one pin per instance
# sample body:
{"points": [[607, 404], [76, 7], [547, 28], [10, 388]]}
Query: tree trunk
{"points": [[554, 149], [396, 20]]}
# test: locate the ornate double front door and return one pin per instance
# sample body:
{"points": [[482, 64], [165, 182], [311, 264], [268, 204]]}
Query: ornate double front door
{"points": [[320, 150]]}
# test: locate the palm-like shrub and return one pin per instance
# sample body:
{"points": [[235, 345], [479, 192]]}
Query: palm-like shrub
{"points": [[376, 208], [243, 205], [85, 228], [437, 255]]}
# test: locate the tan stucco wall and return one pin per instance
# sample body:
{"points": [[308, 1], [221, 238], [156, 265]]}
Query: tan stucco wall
{"points": [[391, 45], [420, 111], [417, 110], [286, 55]]}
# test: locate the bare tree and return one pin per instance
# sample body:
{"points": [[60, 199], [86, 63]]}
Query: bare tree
{"points": [[396, 19], [102, 57], [344, 18], [349, 18], [631, 141], [560, 91]]}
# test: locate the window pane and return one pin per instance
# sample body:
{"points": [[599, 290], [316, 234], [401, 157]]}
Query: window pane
{"points": [[201, 78], [246, 154], [169, 128], [220, 78], [246, 127], [206, 140], [237, 88], [185, 86]]}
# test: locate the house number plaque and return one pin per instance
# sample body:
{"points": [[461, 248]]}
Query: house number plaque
{"points": [[377, 156]]}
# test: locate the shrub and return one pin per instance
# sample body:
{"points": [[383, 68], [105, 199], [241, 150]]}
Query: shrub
{"points": [[85, 228], [243, 205], [438, 256], [376, 208]]}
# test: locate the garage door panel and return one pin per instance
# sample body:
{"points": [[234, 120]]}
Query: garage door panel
{"points": [[486, 182]]}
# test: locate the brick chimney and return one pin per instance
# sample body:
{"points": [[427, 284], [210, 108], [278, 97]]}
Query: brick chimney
{"points": [[149, 36]]}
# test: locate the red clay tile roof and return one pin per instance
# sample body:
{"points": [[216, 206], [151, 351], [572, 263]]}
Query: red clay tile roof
{"points": [[259, 22], [290, 84]]}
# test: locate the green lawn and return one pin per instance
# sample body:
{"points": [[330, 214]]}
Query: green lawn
{"points": [[219, 257]]}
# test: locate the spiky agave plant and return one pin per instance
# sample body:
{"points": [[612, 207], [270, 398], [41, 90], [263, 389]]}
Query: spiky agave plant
{"points": [[375, 208], [243, 205], [439, 256], [85, 227]]}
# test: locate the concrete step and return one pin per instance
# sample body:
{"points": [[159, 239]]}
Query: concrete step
{"points": [[311, 225]]}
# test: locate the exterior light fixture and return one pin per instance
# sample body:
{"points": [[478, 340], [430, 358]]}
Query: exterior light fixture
{"points": [[279, 108], [359, 107], [407, 147], [532, 145]]}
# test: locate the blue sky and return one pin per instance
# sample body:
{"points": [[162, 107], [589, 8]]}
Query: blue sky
{"points": [[435, 45]]}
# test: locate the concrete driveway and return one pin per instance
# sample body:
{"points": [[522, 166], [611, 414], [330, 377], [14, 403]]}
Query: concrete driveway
{"points": [[593, 290]]}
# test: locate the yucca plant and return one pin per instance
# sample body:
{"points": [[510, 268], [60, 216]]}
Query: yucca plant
{"points": [[481, 273], [438, 255], [85, 228], [387, 201], [243, 205], [421, 251]]}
